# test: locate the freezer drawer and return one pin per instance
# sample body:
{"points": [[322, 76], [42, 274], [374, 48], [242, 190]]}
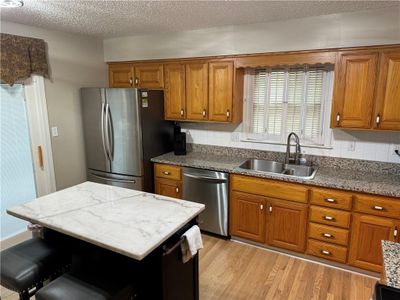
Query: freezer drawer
{"points": [[129, 182], [211, 189]]}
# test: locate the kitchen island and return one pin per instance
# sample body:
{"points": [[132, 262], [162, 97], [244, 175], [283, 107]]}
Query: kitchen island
{"points": [[132, 223]]}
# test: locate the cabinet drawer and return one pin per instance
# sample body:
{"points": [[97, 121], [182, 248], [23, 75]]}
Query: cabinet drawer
{"points": [[376, 205], [327, 251], [168, 171], [329, 216], [331, 198], [328, 234], [270, 188]]}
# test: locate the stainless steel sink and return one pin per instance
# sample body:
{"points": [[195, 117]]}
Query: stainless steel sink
{"points": [[269, 166]]}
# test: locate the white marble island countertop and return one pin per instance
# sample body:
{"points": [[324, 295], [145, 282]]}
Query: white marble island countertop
{"points": [[132, 223]]}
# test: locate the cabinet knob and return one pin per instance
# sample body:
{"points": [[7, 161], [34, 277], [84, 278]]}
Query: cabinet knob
{"points": [[177, 190], [204, 112], [325, 252], [328, 218], [166, 172], [327, 235], [228, 113], [130, 81], [136, 81], [395, 232], [378, 119], [330, 200], [270, 208], [182, 112], [261, 207], [337, 118], [377, 207]]}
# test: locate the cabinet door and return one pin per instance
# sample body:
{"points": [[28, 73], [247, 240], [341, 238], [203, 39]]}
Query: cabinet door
{"points": [[174, 92], [366, 236], [387, 108], [287, 222], [120, 75], [247, 216], [149, 76], [355, 76], [197, 91], [169, 188], [220, 91]]}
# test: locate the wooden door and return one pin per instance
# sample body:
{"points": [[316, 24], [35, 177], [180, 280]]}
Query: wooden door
{"points": [[149, 76], [169, 188], [220, 91], [197, 91], [366, 236], [120, 75], [286, 224], [174, 91], [353, 98], [387, 107], [247, 216]]}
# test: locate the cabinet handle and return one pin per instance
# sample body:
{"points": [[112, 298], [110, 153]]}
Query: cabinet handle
{"points": [[177, 190], [377, 207], [395, 232], [270, 208], [228, 113], [330, 200], [327, 235], [329, 218], [130, 81], [136, 81], [325, 252], [337, 118], [378, 119], [204, 112], [261, 207], [166, 173], [182, 112]]}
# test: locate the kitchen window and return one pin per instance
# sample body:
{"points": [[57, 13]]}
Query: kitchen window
{"points": [[282, 100]]}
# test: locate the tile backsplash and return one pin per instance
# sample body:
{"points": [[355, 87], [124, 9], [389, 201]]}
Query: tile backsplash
{"points": [[365, 145]]}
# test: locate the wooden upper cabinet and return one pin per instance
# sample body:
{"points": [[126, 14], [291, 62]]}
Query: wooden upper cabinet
{"points": [[197, 91], [355, 80], [366, 236], [149, 76], [174, 91], [247, 216], [387, 106], [220, 91], [120, 75], [287, 223]]}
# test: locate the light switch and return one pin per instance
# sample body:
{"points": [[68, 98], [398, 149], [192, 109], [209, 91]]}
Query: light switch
{"points": [[54, 131]]}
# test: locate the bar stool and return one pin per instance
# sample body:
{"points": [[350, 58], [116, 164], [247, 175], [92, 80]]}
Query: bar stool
{"points": [[24, 267]]}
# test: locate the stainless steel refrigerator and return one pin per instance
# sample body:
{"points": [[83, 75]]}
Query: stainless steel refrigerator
{"points": [[124, 129]]}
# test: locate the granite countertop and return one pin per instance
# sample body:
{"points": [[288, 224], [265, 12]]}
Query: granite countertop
{"points": [[347, 179], [391, 262], [130, 222]]}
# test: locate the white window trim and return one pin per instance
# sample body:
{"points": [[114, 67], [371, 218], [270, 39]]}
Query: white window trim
{"points": [[248, 137], [39, 131]]}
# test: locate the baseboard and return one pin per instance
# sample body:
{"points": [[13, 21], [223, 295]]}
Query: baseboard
{"points": [[16, 239]]}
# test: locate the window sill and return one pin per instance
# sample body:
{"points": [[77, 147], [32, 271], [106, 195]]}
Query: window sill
{"points": [[284, 144]]}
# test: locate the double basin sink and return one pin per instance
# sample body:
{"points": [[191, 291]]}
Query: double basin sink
{"points": [[274, 167]]}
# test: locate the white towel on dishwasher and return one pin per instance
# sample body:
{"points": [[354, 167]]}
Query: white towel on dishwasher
{"points": [[193, 242]]}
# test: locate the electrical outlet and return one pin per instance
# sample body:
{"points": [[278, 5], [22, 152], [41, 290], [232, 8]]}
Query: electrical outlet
{"points": [[351, 146], [54, 131]]}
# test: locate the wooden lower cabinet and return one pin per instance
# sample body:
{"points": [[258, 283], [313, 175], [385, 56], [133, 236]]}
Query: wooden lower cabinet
{"points": [[247, 216], [367, 233], [287, 223], [169, 188]]}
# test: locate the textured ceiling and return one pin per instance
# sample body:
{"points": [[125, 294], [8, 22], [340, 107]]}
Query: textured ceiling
{"points": [[102, 18]]}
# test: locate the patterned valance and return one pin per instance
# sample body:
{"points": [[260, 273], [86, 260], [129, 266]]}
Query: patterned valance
{"points": [[21, 57]]}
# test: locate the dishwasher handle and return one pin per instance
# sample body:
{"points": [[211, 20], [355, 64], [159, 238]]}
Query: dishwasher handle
{"points": [[206, 178]]}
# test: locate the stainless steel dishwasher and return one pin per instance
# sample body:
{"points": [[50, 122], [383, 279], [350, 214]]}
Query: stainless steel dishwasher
{"points": [[211, 189]]}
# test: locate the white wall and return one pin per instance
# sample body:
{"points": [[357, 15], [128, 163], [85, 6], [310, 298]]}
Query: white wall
{"points": [[75, 61], [337, 30]]}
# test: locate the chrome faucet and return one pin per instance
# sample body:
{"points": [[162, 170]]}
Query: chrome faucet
{"points": [[296, 158]]}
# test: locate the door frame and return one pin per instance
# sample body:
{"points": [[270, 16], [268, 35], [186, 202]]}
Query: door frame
{"points": [[39, 130]]}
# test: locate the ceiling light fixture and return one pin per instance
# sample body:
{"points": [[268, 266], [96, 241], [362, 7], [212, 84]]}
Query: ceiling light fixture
{"points": [[11, 3]]}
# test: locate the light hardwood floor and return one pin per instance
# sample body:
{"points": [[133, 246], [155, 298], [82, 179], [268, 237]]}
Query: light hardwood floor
{"points": [[235, 271]]}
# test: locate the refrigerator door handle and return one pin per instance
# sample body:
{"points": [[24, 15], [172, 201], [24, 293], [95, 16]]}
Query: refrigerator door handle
{"points": [[110, 133], [114, 179], [107, 132], [102, 131]]}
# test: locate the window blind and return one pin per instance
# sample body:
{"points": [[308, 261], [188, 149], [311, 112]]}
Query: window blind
{"points": [[288, 100]]}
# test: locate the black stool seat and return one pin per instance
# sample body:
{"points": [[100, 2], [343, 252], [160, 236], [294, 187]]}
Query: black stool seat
{"points": [[97, 287], [27, 264]]}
